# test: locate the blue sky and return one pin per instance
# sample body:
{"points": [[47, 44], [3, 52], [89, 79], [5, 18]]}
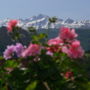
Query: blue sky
{"points": [[76, 9]]}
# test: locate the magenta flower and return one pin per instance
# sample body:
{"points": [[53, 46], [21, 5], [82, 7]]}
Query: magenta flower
{"points": [[11, 24], [32, 50], [9, 52], [75, 44], [75, 51], [67, 34]]}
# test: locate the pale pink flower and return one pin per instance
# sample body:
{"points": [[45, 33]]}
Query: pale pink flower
{"points": [[8, 53], [32, 50], [67, 33], [49, 53], [13, 50], [19, 48], [65, 49], [55, 45], [55, 41]]}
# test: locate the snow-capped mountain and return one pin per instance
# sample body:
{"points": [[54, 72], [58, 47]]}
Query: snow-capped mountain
{"points": [[42, 21]]}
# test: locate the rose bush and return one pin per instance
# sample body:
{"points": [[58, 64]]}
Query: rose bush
{"points": [[44, 64]]}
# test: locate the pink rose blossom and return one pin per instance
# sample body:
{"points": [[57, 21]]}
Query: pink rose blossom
{"points": [[11, 24], [75, 51], [55, 45], [9, 28], [49, 53], [54, 48], [65, 49], [75, 44], [67, 33], [68, 74], [55, 41], [32, 50]]}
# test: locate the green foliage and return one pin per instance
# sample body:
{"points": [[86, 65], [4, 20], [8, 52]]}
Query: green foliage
{"points": [[32, 86], [39, 38], [15, 34], [52, 20], [46, 73], [11, 63], [31, 29]]}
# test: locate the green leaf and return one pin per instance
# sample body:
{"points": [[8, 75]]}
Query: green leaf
{"points": [[11, 63], [32, 85], [88, 86], [31, 29], [35, 38], [42, 35], [1, 58]]}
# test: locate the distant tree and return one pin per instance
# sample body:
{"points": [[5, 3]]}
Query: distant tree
{"points": [[52, 20], [32, 29]]}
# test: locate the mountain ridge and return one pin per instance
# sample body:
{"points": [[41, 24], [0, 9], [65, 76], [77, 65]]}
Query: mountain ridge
{"points": [[41, 22]]}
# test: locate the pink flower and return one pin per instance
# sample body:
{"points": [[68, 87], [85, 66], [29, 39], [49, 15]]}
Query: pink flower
{"points": [[9, 52], [11, 24], [75, 51], [9, 69], [32, 50], [49, 53], [67, 33], [54, 48], [19, 48], [75, 44], [68, 75], [13, 50], [65, 49], [55, 41], [55, 45], [9, 28]]}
